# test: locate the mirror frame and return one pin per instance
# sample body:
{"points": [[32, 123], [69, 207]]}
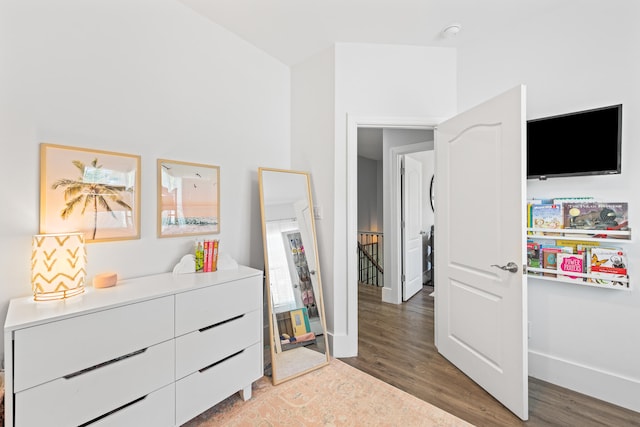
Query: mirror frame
{"points": [[319, 297]]}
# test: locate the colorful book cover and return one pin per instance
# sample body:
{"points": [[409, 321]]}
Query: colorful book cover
{"points": [[596, 216], [533, 256], [199, 254], [577, 246], [210, 258], [546, 216], [550, 260], [214, 256], [571, 263], [207, 256], [607, 264], [608, 260], [550, 255]]}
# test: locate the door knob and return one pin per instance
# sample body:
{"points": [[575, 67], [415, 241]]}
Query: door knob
{"points": [[511, 267]]}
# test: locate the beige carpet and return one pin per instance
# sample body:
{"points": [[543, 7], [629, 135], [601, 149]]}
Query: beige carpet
{"points": [[336, 395]]}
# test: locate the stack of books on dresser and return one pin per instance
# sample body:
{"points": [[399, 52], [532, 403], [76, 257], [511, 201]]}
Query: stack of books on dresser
{"points": [[206, 253]]}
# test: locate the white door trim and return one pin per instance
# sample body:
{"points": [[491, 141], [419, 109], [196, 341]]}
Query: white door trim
{"points": [[351, 235]]}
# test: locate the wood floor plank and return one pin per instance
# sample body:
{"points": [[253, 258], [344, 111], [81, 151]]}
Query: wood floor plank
{"points": [[396, 345]]}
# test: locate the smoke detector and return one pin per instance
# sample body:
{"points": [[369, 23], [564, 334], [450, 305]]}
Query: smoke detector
{"points": [[451, 30]]}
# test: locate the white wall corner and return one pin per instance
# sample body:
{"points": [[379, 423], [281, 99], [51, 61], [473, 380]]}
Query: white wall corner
{"points": [[342, 345]]}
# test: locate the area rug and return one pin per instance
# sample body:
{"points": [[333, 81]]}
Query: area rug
{"points": [[335, 395]]}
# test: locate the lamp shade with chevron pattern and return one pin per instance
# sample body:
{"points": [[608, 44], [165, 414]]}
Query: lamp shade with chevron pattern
{"points": [[58, 265]]}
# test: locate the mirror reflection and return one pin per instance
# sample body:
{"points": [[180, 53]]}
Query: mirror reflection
{"points": [[296, 313]]}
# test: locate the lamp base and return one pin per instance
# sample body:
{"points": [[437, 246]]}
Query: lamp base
{"points": [[56, 295]]}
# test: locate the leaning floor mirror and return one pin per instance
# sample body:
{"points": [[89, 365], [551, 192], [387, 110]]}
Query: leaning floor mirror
{"points": [[298, 338]]}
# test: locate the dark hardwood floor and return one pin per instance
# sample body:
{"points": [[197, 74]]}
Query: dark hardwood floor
{"points": [[396, 345]]}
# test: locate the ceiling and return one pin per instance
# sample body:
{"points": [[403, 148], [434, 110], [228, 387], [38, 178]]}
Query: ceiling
{"points": [[294, 30]]}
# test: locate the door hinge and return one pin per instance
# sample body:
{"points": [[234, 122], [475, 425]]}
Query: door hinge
{"points": [[402, 278]]}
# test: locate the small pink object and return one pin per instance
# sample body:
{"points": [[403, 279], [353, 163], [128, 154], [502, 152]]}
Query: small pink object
{"points": [[105, 280]]}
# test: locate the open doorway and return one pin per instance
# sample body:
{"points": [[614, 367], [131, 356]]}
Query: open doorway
{"points": [[381, 154]]}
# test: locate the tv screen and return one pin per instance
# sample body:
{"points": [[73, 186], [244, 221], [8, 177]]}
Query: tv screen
{"points": [[582, 143]]}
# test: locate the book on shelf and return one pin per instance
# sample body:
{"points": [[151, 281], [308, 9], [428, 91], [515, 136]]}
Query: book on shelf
{"points": [[533, 256], [550, 257], [549, 260], [596, 215], [561, 200], [608, 260], [577, 246], [571, 263], [530, 203], [546, 216], [607, 264]]}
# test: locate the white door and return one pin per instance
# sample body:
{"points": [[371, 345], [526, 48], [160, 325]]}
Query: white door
{"points": [[481, 310], [411, 184], [305, 222]]}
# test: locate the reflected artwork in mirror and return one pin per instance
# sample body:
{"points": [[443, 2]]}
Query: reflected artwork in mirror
{"points": [[298, 338]]}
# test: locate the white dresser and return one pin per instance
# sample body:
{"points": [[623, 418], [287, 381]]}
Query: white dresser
{"points": [[156, 350]]}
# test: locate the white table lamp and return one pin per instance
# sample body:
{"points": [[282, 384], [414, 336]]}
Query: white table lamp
{"points": [[58, 265]]}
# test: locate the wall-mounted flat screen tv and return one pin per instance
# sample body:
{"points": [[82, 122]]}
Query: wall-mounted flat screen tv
{"points": [[576, 144]]}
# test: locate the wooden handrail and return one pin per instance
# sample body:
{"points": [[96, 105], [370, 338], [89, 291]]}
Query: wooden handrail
{"points": [[369, 257]]}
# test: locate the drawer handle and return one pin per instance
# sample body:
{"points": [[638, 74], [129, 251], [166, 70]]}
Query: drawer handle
{"points": [[220, 323], [113, 411], [101, 365], [220, 361]]}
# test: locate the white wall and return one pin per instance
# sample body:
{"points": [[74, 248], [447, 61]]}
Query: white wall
{"points": [[585, 339], [147, 77], [381, 81], [369, 193], [312, 116], [428, 167]]}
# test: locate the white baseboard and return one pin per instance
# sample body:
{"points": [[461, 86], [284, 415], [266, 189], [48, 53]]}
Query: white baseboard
{"points": [[342, 345], [391, 296], [602, 385]]}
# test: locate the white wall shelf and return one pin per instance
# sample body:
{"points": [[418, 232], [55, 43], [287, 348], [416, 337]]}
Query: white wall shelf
{"points": [[559, 278], [613, 237], [622, 236]]}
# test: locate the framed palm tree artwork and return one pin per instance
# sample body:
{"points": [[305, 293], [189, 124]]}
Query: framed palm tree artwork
{"points": [[90, 191], [188, 198]]}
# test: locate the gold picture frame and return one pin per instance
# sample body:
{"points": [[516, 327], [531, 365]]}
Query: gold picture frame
{"points": [[188, 198], [94, 192]]}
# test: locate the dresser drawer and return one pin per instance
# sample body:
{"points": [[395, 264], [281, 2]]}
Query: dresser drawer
{"points": [[203, 347], [204, 307], [156, 409], [203, 389], [88, 395], [50, 351]]}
